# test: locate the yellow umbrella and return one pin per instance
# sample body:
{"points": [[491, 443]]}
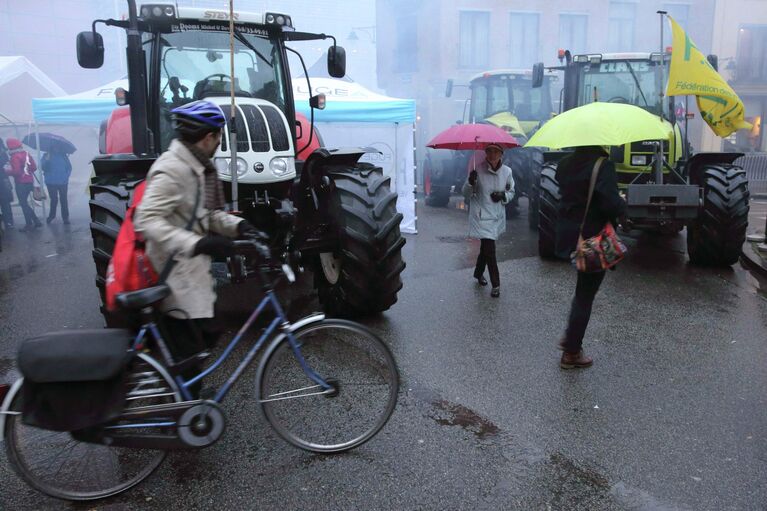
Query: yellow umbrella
{"points": [[605, 124]]}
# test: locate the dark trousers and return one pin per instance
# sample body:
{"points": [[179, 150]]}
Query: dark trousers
{"points": [[58, 192], [580, 310], [22, 192], [6, 196], [187, 337], [487, 258]]}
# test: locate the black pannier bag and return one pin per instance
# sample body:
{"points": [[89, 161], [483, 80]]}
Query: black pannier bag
{"points": [[74, 379]]}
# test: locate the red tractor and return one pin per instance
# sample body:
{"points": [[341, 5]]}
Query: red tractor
{"points": [[338, 214]]}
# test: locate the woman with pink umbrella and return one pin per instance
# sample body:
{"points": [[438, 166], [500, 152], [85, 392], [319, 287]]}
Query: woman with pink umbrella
{"points": [[489, 188]]}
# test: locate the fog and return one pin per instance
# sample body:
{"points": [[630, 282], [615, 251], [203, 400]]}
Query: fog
{"points": [[410, 49]]}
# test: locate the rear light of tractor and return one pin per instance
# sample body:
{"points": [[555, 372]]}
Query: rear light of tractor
{"points": [[274, 18]]}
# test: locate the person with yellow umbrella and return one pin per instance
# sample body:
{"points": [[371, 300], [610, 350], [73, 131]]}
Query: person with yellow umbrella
{"points": [[590, 129]]}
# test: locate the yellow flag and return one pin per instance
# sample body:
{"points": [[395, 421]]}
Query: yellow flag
{"points": [[691, 74]]}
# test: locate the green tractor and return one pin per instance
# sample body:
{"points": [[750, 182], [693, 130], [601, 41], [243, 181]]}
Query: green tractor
{"points": [[666, 187], [504, 98]]}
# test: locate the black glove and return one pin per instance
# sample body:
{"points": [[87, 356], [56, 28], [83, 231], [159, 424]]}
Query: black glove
{"points": [[497, 196], [473, 177], [214, 245], [246, 230]]}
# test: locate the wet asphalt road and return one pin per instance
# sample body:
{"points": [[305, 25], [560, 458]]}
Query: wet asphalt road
{"points": [[671, 415]]}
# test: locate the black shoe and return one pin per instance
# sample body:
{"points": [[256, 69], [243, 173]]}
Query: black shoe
{"points": [[38, 224], [496, 292], [49, 219], [27, 228], [66, 221], [481, 280]]}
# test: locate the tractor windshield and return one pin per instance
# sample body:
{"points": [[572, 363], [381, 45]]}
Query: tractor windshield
{"points": [[512, 94], [196, 65], [621, 81]]}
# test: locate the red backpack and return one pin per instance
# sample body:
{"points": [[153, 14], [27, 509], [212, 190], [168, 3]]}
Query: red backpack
{"points": [[130, 268]]}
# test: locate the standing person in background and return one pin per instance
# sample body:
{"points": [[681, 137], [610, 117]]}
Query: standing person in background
{"points": [[489, 188], [22, 168], [57, 168], [6, 190], [574, 174]]}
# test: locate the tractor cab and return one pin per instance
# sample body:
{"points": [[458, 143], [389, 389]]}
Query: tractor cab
{"points": [[186, 56], [629, 78], [506, 98]]}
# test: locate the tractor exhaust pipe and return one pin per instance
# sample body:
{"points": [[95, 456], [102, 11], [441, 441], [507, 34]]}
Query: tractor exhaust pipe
{"points": [[137, 84]]}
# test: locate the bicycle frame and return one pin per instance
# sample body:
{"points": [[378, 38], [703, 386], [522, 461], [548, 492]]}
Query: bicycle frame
{"points": [[279, 322]]}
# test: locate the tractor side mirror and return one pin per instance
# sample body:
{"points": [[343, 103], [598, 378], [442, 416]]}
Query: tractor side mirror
{"points": [[537, 75], [90, 50], [449, 88], [299, 129], [336, 61], [714, 61]]}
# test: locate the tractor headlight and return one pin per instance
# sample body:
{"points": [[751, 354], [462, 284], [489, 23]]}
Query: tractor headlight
{"points": [[222, 166], [282, 165], [638, 160]]}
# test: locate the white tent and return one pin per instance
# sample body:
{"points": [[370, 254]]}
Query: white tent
{"points": [[20, 81], [356, 116]]}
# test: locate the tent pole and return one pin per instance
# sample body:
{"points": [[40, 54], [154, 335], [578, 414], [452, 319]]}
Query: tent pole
{"points": [[415, 185]]}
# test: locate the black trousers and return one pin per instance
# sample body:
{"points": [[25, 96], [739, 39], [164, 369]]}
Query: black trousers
{"points": [[58, 193], [6, 196], [187, 337], [580, 310], [22, 192], [487, 258]]}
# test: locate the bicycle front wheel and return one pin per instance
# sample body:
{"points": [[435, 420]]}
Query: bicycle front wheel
{"points": [[58, 465], [357, 364]]}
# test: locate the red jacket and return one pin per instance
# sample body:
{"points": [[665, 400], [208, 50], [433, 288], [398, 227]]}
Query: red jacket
{"points": [[17, 163]]}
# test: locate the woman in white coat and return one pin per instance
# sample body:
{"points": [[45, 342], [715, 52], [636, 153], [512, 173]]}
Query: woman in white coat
{"points": [[489, 188]]}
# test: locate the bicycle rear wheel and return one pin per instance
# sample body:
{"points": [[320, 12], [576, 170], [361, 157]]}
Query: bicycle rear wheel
{"points": [[56, 464], [358, 365]]}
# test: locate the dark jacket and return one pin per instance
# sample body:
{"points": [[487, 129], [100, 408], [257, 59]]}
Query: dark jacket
{"points": [[56, 168], [573, 175]]}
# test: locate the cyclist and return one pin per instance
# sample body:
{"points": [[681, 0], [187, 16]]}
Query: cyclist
{"points": [[181, 178]]}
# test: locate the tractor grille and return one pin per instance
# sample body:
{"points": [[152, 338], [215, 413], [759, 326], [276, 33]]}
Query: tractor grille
{"points": [[277, 128], [242, 141], [259, 136]]}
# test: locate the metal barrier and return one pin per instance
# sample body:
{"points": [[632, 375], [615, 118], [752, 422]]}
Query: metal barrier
{"points": [[755, 165]]}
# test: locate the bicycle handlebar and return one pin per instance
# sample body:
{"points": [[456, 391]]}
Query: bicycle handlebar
{"points": [[238, 271]]}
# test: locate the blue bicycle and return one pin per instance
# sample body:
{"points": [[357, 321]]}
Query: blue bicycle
{"points": [[324, 385]]}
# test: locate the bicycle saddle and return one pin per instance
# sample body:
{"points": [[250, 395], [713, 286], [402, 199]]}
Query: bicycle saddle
{"points": [[143, 297]]}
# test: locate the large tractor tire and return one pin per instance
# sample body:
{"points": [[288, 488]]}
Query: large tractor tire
{"points": [[716, 237], [107, 206], [548, 211], [362, 276], [439, 196]]}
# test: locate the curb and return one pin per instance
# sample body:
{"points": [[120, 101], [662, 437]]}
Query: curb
{"points": [[749, 255]]}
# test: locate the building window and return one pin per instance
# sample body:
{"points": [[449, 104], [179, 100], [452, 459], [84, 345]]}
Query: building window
{"points": [[572, 32], [406, 53], [524, 39], [474, 39], [681, 14], [620, 31], [752, 54]]}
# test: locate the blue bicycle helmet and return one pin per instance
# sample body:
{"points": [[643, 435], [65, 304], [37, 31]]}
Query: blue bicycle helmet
{"points": [[197, 118]]}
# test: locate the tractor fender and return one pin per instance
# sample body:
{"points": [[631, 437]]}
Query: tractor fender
{"points": [[554, 156], [322, 158], [694, 166]]}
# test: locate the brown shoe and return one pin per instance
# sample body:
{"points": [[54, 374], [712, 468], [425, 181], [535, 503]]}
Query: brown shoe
{"points": [[575, 360]]}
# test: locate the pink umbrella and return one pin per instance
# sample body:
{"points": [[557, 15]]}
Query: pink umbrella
{"points": [[472, 136]]}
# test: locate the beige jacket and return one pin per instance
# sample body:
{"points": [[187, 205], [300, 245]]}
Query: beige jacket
{"points": [[174, 181]]}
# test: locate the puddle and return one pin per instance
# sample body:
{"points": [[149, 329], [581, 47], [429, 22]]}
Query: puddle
{"points": [[446, 413]]}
